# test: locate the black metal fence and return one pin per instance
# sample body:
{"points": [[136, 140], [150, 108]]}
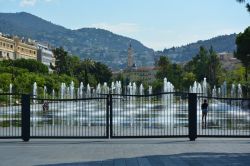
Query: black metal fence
{"points": [[10, 116], [159, 115], [123, 116], [69, 118], [226, 117]]}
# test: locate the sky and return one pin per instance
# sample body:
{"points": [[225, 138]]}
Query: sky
{"points": [[158, 24]]}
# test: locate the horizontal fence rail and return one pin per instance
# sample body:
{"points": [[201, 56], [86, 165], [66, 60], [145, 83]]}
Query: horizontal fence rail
{"points": [[226, 117], [161, 115], [68, 118], [10, 115]]}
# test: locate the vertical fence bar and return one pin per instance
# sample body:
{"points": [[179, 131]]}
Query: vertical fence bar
{"points": [[107, 117], [26, 117], [192, 116], [111, 115]]}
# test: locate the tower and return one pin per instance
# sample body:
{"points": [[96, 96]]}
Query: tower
{"points": [[130, 57]]}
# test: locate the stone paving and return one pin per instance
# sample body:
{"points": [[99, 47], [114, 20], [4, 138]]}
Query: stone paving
{"points": [[126, 152]]}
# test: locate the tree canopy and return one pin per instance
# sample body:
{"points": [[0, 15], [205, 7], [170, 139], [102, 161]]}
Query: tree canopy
{"points": [[28, 64], [22, 73], [247, 4], [86, 71], [243, 49]]}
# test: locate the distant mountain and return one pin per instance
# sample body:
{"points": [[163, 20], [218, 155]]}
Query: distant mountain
{"points": [[98, 44], [102, 45], [225, 43]]}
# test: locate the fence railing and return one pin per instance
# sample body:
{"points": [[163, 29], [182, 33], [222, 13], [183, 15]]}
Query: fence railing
{"points": [[226, 117], [10, 115], [160, 115], [123, 116], [68, 118]]}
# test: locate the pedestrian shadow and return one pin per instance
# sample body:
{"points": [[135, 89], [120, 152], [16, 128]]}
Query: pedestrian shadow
{"points": [[182, 159]]}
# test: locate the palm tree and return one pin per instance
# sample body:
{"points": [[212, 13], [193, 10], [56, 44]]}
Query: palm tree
{"points": [[88, 65]]}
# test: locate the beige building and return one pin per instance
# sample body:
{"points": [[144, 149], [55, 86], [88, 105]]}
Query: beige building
{"points": [[7, 48], [14, 48], [145, 74], [228, 61], [134, 74]]}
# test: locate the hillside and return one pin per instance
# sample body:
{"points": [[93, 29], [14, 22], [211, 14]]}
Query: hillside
{"points": [[225, 43], [98, 44], [102, 45]]}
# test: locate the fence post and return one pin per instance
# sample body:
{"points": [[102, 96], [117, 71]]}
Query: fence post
{"points": [[25, 117], [192, 116], [111, 115], [107, 116]]}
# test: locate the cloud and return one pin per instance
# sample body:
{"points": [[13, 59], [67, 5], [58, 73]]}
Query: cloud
{"points": [[120, 28], [24, 3]]}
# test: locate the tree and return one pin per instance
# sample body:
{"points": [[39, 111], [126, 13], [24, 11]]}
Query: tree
{"points": [[214, 67], [31, 65], [173, 72], [243, 54], [5, 80], [102, 73], [61, 64], [165, 68], [205, 64], [200, 64], [247, 5], [188, 79], [243, 49]]}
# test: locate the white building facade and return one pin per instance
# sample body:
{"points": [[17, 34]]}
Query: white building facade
{"points": [[45, 55]]}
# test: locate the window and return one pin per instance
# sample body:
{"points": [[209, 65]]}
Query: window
{"points": [[0, 53], [11, 46]]}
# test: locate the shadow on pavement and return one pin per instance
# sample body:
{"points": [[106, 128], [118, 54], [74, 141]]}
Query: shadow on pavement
{"points": [[182, 159]]}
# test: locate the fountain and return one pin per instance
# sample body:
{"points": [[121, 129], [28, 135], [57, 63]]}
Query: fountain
{"points": [[34, 92], [233, 94], [239, 91], [63, 87], [44, 92], [72, 88], [81, 90], [130, 111], [53, 94], [204, 87], [10, 91], [167, 88], [214, 92], [88, 92], [224, 89]]}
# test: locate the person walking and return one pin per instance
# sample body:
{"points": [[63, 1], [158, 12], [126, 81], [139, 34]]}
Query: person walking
{"points": [[45, 106], [204, 108]]}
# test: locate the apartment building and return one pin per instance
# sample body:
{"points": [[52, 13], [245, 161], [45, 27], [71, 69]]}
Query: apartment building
{"points": [[45, 55], [15, 48], [7, 48]]}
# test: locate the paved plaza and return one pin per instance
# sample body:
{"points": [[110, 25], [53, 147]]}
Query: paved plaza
{"points": [[126, 152]]}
